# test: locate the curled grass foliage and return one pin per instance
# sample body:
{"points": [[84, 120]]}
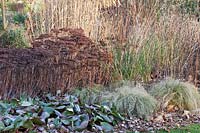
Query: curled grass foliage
{"points": [[129, 99], [174, 92], [133, 100]]}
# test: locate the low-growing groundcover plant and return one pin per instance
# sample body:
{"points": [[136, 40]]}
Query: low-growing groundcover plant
{"points": [[55, 114], [128, 99], [174, 92]]}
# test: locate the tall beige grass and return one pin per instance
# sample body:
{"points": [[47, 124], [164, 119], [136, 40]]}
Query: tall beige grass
{"points": [[68, 13], [159, 35]]}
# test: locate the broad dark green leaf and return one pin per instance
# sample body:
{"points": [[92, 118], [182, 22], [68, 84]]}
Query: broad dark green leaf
{"points": [[20, 112], [2, 126], [98, 127], [60, 107], [82, 122], [3, 105], [105, 117], [44, 104], [58, 113], [14, 101], [19, 122], [106, 127], [68, 112], [44, 116], [65, 122], [49, 110], [98, 118], [77, 108], [9, 128], [37, 121], [28, 124], [57, 122], [26, 103], [8, 121], [106, 108], [74, 118], [56, 103]]}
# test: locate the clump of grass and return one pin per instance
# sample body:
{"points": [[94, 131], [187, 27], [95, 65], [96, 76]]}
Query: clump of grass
{"points": [[166, 40], [129, 99], [174, 92], [14, 38], [132, 100], [123, 68], [129, 65]]}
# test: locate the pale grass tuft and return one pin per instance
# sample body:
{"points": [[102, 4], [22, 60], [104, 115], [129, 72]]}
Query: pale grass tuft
{"points": [[129, 99], [174, 92], [132, 100]]}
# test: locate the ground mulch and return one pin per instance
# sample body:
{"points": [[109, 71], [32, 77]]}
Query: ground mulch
{"points": [[161, 122]]}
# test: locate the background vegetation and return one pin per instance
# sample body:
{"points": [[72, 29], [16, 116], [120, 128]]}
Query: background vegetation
{"points": [[159, 36], [176, 93], [150, 40]]}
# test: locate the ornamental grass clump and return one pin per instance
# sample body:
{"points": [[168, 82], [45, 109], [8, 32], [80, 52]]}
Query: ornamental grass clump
{"points": [[128, 99], [132, 100], [175, 93]]}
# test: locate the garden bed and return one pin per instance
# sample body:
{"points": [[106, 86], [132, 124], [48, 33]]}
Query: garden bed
{"points": [[66, 114]]}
